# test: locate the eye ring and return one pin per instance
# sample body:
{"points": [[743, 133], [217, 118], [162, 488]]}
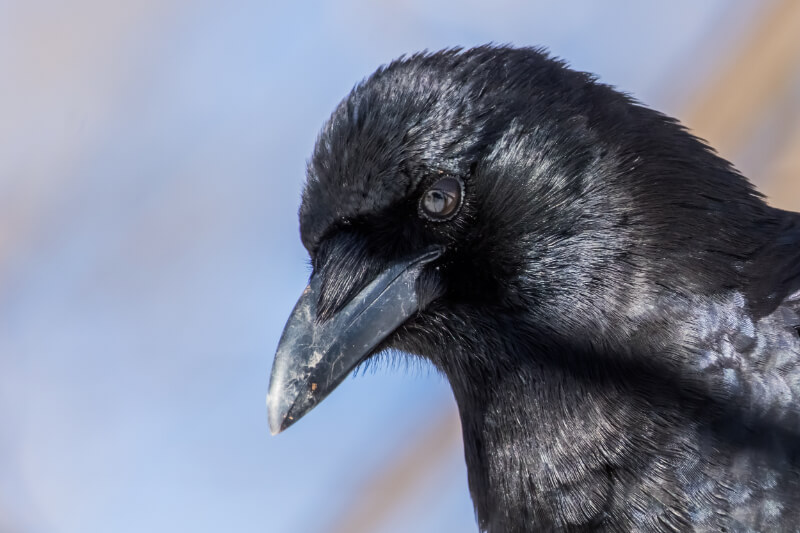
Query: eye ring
{"points": [[442, 200]]}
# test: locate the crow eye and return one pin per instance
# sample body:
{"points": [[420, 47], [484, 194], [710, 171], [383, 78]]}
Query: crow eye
{"points": [[442, 200]]}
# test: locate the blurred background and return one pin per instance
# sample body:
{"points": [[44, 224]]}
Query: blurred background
{"points": [[152, 154]]}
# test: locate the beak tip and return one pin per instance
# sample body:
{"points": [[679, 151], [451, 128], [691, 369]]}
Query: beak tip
{"points": [[276, 416], [277, 425], [281, 411]]}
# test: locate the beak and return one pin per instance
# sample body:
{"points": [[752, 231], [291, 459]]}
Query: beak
{"points": [[314, 357]]}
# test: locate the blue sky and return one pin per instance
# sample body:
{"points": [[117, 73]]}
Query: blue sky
{"points": [[151, 161]]}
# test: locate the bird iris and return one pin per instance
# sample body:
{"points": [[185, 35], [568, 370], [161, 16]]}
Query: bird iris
{"points": [[442, 200]]}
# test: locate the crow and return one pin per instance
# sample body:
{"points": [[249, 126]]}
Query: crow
{"points": [[615, 307]]}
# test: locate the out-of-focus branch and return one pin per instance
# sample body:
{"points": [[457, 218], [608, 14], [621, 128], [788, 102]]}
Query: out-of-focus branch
{"points": [[381, 494], [68, 88], [783, 178], [726, 111]]}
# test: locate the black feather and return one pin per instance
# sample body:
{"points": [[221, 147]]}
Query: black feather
{"points": [[617, 309]]}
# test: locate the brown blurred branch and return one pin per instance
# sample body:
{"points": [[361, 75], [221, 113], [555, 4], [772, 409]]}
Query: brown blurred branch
{"points": [[754, 77], [382, 493], [783, 185]]}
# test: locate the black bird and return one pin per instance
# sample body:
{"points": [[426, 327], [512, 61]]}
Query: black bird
{"points": [[615, 307]]}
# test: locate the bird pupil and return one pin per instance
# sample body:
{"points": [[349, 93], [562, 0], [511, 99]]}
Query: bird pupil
{"points": [[437, 203]]}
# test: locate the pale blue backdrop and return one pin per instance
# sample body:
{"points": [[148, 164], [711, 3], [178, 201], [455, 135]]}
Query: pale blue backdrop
{"points": [[151, 159]]}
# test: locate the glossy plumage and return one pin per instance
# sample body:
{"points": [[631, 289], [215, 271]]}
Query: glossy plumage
{"points": [[615, 306]]}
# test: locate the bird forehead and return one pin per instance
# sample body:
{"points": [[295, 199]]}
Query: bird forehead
{"points": [[367, 193], [331, 201], [374, 152]]}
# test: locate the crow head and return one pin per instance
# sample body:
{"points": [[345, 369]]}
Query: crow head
{"points": [[480, 207]]}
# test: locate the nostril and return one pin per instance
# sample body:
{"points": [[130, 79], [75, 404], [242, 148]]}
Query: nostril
{"points": [[797, 329]]}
